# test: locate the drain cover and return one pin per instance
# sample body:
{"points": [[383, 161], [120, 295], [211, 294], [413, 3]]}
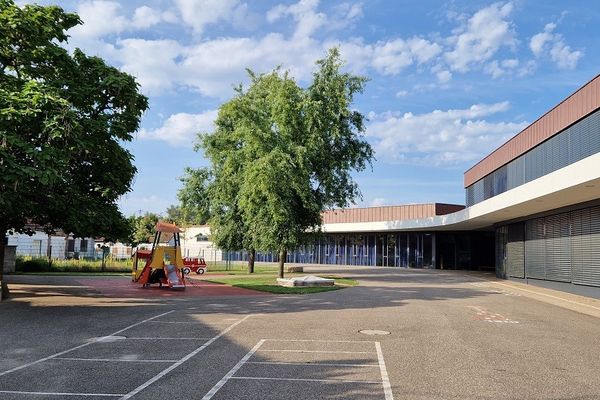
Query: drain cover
{"points": [[373, 332]]}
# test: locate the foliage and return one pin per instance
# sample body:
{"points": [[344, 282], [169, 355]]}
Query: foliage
{"points": [[63, 119], [36, 264], [175, 215], [280, 155], [143, 228], [193, 197]]}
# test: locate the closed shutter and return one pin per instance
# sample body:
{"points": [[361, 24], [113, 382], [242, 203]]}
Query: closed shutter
{"points": [[535, 249], [515, 249], [558, 248], [586, 246]]}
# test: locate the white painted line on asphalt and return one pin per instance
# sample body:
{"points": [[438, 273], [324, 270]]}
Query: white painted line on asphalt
{"points": [[113, 360], [260, 378], [167, 338], [61, 394], [319, 351], [82, 345], [316, 340], [177, 322], [387, 387], [312, 363], [232, 371], [182, 360]]}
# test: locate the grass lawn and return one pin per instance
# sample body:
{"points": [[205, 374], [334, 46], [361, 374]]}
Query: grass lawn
{"points": [[267, 282]]}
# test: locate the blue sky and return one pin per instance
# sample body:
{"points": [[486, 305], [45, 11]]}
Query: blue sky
{"points": [[449, 81]]}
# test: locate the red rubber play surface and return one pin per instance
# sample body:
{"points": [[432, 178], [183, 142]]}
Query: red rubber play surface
{"points": [[123, 287]]}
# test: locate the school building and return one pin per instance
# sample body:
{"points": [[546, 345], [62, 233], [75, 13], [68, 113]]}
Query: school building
{"points": [[532, 211]]}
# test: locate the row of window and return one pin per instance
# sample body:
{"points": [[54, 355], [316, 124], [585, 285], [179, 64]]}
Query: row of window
{"points": [[575, 143]]}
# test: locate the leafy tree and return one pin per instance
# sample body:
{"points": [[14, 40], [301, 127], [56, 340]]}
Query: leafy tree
{"points": [[144, 228], [63, 118], [175, 215], [193, 196], [281, 155]]}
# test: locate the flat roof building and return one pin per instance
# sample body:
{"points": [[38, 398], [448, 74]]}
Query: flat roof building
{"points": [[532, 211]]}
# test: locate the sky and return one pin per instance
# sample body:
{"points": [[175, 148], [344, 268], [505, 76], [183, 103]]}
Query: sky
{"points": [[449, 81]]}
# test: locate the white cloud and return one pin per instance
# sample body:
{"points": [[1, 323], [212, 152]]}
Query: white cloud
{"points": [[401, 93], [199, 13], [145, 17], [305, 13], [99, 18], [440, 137], [155, 74], [538, 41], [553, 44], [480, 38], [378, 202], [444, 76], [391, 57], [562, 55], [180, 130]]}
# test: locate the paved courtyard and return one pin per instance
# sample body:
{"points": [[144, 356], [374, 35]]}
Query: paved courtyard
{"points": [[451, 336]]}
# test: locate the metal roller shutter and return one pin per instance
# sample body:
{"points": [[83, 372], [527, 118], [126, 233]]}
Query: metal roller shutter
{"points": [[535, 249], [586, 246], [515, 249], [558, 248]]}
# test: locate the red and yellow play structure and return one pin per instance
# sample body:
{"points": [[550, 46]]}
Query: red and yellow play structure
{"points": [[163, 262]]}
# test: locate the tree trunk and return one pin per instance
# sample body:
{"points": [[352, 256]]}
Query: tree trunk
{"points": [[251, 258], [4, 293], [282, 257]]}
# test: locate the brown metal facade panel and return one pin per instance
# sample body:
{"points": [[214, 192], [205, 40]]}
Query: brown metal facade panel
{"points": [[581, 103], [388, 213], [443, 209]]}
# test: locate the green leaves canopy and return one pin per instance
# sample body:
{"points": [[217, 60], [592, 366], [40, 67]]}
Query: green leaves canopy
{"points": [[63, 119], [281, 154]]}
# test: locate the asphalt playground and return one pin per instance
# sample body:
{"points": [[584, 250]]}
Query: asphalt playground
{"points": [[438, 335]]}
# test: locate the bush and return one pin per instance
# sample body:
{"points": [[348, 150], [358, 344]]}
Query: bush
{"points": [[37, 264], [30, 264]]}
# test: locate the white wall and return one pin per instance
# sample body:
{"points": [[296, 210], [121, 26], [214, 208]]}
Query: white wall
{"points": [[191, 247], [36, 245]]}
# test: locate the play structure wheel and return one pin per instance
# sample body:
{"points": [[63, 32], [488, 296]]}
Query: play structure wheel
{"points": [[187, 270], [200, 271]]}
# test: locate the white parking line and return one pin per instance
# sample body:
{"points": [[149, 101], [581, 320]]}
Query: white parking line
{"points": [[317, 340], [182, 360], [167, 338], [113, 360], [82, 345], [263, 378], [177, 322], [312, 363], [387, 387], [319, 351], [381, 365], [61, 394], [232, 371]]}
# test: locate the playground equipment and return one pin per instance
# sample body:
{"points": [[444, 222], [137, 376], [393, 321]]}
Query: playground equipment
{"points": [[163, 263], [194, 264]]}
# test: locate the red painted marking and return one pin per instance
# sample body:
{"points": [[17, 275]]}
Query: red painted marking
{"points": [[123, 287]]}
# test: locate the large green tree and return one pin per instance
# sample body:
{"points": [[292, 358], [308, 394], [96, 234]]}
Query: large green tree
{"points": [[143, 228], [193, 196], [63, 119], [281, 155]]}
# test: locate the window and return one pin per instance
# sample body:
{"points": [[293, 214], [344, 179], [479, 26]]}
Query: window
{"points": [[83, 246], [201, 238]]}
